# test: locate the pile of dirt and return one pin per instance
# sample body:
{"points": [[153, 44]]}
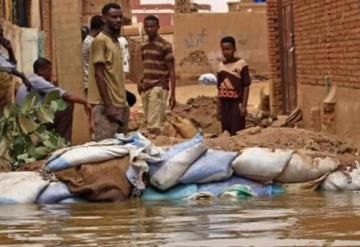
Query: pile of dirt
{"points": [[202, 112], [319, 144]]}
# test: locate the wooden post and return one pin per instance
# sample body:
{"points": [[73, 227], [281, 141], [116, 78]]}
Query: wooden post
{"points": [[66, 26]]}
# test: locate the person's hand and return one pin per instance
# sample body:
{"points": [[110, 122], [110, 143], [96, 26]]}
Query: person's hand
{"points": [[6, 43], [243, 110], [172, 101]]}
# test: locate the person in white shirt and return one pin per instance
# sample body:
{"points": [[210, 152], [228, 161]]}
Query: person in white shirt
{"points": [[96, 26], [126, 56]]}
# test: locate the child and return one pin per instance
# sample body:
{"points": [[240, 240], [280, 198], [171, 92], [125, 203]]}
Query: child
{"points": [[233, 85]]}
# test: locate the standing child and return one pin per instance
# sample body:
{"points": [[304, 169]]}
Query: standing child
{"points": [[233, 85]]}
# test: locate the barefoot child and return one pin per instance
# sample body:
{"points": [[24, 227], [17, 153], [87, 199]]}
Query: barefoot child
{"points": [[233, 85]]}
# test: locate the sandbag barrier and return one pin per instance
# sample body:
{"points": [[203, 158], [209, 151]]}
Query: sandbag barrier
{"points": [[186, 170]]}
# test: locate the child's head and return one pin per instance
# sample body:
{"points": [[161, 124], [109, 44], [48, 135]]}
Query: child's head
{"points": [[228, 47], [42, 67]]}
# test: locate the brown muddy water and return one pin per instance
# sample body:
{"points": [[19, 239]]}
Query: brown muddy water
{"points": [[319, 219]]}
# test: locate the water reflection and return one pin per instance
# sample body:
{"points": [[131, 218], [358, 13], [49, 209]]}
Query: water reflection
{"points": [[319, 219]]}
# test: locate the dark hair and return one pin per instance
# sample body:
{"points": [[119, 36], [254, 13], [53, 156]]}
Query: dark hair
{"points": [[96, 22], [41, 63], [152, 18], [109, 6], [229, 39]]}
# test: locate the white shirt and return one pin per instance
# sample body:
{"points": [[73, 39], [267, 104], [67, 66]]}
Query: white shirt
{"points": [[86, 46], [126, 56]]}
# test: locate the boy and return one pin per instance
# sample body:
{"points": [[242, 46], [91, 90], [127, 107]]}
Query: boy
{"points": [[233, 86], [159, 76], [41, 83]]}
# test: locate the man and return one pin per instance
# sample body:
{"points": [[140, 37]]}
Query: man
{"points": [[106, 77], [234, 86], [41, 83], [7, 69], [84, 32], [96, 26], [159, 70]]}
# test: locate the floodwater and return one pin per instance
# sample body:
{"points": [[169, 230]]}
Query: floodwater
{"points": [[318, 219]]}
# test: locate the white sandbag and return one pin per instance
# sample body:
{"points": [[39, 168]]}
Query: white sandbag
{"points": [[261, 164], [172, 169], [20, 187], [302, 168], [54, 193], [208, 79], [85, 155], [214, 165], [345, 180]]}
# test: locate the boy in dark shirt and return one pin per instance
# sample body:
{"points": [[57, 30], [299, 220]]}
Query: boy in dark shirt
{"points": [[234, 86]]}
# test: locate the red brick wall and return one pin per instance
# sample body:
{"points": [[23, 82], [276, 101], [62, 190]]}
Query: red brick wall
{"points": [[274, 54], [328, 41]]}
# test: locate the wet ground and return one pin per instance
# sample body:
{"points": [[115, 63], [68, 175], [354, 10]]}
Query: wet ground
{"points": [[319, 219]]}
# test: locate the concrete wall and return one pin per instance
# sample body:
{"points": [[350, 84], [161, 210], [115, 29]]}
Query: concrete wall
{"points": [[246, 7], [344, 121], [25, 44], [68, 59], [93, 7], [197, 41]]}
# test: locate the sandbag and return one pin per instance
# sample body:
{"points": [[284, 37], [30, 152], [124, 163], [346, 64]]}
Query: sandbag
{"points": [[88, 153], [303, 188], [176, 193], [208, 79], [184, 126], [54, 193], [20, 187], [213, 166], [302, 168], [177, 160], [344, 180], [103, 181], [258, 189], [261, 164]]}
